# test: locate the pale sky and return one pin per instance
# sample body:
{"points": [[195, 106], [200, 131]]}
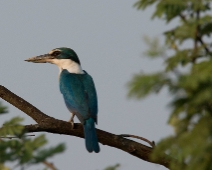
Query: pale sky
{"points": [[107, 36]]}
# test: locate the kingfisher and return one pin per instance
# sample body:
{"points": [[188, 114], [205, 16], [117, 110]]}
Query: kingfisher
{"points": [[78, 90]]}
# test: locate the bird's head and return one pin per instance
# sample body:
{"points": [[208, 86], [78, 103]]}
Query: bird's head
{"points": [[55, 56], [64, 58]]}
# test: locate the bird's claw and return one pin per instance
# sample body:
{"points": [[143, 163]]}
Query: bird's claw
{"points": [[72, 120], [72, 123]]}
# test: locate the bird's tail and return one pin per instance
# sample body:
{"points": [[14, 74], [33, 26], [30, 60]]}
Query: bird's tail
{"points": [[91, 141]]}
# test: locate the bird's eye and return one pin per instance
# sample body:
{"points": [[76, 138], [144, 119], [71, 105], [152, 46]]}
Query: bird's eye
{"points": [[56, 53]]}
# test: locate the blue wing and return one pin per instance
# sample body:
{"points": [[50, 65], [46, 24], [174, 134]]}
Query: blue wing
{"points": [[79, 94]]}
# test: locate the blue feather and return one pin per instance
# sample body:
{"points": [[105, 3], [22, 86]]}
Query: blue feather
{"points": [[91, 141], [81, 99]]}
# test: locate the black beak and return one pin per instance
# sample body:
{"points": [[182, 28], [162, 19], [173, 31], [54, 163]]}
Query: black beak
{"points": [[41, 59]]}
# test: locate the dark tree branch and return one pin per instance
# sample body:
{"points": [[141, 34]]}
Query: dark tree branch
{"points": [[22, 105], [52, 125]]}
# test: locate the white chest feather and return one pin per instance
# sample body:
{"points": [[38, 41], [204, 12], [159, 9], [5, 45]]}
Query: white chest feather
{"points": [[69, 65]]}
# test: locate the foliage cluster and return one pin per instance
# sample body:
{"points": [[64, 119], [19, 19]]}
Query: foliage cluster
{"points": [[187, 75], [22, 150]]}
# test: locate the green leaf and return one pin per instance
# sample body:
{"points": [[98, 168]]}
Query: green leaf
{"points": [[43, 154], [141, 85], [115, 167], [205, 25], [3, 109], [169, 9], [177, 59], [154, 48], [143, 4], [12, 127]]}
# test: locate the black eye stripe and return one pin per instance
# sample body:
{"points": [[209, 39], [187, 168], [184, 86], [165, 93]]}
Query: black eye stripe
{"points": [[56, 53]]}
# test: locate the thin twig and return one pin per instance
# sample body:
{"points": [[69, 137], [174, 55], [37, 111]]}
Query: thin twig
{"points": [[141, 138], [13, 137]]}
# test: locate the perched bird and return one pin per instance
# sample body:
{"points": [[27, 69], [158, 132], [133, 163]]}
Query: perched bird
{"points": [[78, 91]]}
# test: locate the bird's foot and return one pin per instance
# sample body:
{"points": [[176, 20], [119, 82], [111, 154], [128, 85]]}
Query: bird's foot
{"points": [[72, 120], [72, 123]]}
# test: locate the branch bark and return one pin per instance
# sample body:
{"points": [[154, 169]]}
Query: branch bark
{"points": [[49, 124]]}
